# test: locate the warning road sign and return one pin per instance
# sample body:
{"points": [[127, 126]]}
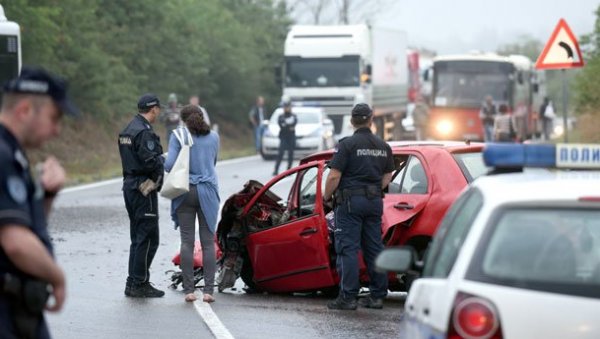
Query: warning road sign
{"points": [[561, 50]]}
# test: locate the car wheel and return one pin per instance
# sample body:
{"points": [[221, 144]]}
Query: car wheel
{"points": [[266, 156], [247, 275]]}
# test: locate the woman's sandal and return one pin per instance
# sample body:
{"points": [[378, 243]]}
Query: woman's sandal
{"points": [[190, 297]]}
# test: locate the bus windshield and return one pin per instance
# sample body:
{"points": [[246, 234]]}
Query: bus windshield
{"points": [[467, 83], [322, 72]]}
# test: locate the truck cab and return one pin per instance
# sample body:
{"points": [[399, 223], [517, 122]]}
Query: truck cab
{"points": [[336, 67]]}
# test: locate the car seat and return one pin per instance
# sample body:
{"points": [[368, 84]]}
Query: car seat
{"points": [[417, 174]]}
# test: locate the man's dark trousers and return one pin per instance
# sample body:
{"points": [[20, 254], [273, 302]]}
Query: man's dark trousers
{"points": [[286, 144], [143, 216], [358, 225]]}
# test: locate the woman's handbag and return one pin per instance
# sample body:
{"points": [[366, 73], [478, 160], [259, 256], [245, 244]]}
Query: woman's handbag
{"points": [[177, 181]]}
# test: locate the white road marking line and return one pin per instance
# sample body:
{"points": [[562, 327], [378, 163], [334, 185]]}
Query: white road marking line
{"points": [[211, 320], [90, 186]]}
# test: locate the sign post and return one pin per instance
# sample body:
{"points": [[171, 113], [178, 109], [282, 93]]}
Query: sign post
{"points": [[561, 52]]}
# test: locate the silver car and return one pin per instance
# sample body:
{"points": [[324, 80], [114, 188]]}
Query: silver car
{"points": [[314, 132]]}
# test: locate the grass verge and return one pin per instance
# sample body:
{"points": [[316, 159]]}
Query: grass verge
{"points": [[88, 148]]}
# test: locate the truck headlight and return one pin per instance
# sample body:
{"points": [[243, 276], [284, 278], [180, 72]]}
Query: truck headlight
{"points": [[444, 127]]}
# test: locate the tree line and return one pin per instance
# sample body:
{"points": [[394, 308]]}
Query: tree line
{"points": [[112, 51]]}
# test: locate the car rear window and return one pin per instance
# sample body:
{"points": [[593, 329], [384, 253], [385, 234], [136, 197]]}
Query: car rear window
{"points": [[471, 164], [542, 248]]}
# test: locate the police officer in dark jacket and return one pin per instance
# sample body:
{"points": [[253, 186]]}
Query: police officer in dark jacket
{"points": [[142, 161], [361, 167], [287, 134], [32, 107]]}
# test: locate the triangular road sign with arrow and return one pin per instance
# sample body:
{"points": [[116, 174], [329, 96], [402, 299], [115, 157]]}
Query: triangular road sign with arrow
{"points": [[561, 51]]}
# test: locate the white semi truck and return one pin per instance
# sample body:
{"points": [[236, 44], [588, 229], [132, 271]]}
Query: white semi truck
{"points": [[336, 67]]}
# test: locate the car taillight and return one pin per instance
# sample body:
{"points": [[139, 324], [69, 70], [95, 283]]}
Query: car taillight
{"points": [[474, 318], [591, 199]]}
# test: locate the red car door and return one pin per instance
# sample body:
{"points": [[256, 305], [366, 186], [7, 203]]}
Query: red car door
{"points": [[294, 255], [408, 193]]}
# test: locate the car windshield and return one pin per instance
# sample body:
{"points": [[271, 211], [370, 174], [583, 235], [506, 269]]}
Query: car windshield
{"points": [[303, 117], [471, 164], [553, 249], [322, 72]]}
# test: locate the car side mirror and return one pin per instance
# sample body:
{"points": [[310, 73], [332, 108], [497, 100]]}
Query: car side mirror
{"points": [[396, 259]]}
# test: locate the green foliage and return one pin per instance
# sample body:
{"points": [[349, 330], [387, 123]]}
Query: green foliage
{"points": [[111, 51], [588, 87]]}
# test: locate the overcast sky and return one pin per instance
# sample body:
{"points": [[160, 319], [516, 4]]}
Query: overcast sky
{"points": [[458, 26], [455, 26]]}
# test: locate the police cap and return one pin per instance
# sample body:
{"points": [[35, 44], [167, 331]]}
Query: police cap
{"points": [[362, 110], [148, 100], [35, 80]]}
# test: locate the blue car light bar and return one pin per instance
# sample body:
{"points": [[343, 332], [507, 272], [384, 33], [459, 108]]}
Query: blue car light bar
{"points": [[572, 156]]}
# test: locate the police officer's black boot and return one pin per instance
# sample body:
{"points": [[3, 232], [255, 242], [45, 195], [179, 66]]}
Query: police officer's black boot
{"points": [[370, 302], [341, 303], [128, 289], [145, 290]]}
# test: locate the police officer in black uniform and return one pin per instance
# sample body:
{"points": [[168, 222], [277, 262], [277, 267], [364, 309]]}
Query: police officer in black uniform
{"points": [[142, 161], [287, 134], [361, 167], [32, 107]]}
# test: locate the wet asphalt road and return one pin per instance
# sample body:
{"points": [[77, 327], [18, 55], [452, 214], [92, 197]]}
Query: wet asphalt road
{"points": [[90, 229]]}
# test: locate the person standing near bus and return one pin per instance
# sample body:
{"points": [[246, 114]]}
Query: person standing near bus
{"points": [[487, 116]]}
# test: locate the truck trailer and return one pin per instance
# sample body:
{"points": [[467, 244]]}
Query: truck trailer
{"points": [[336, 67]]}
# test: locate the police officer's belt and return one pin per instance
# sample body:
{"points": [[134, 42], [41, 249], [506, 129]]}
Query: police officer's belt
{"points": [[368, 191]]}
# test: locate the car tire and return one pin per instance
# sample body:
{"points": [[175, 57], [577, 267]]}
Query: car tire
{"points": [[266, 156]]}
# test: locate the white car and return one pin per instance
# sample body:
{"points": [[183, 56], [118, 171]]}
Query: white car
{"points": [[314, 132], [516, 256]]}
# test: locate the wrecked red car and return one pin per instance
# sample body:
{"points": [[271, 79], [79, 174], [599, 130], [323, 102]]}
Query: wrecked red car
{"points": [[276, 236]]}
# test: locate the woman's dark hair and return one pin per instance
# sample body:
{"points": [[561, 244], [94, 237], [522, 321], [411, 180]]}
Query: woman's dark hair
{"points": [[503, 108], [194, 120]]}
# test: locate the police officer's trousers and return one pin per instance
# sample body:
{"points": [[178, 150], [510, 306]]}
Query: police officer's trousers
{"points": [[358, 225], [143, 221]]}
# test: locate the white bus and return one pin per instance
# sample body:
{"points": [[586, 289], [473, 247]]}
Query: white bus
{"points": [[10, 48]]}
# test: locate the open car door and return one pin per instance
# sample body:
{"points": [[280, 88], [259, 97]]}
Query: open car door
{"points": [[288, 243], [407, 194]]}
